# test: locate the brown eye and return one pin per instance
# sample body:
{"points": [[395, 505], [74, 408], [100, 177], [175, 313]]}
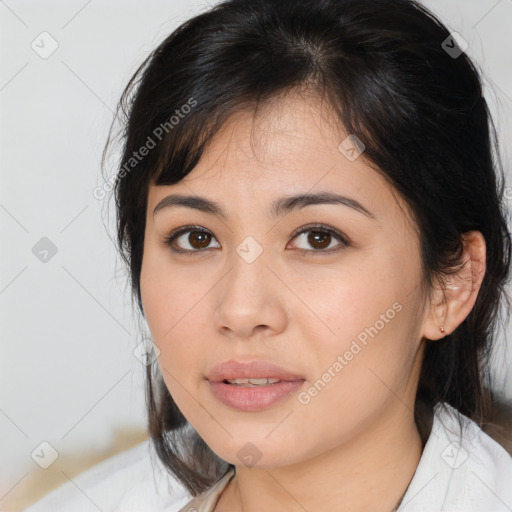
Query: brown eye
{"points": [[189, 240], [199, 239], [318, 239]]}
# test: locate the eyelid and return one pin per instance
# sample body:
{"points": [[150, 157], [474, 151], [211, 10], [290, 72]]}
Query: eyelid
{"points": [[345, 241], [319, 227], [338, 235], [176, 233]]}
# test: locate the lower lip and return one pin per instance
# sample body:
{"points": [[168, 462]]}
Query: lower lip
{"points": [[247, 398]]}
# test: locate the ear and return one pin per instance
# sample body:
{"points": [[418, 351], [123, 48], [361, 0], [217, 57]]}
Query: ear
{"points": [[452, 305]]}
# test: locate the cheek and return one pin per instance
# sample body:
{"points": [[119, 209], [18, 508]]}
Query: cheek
{"points": [[341, 305], [168, 293], [357, 327], [174, 307]]}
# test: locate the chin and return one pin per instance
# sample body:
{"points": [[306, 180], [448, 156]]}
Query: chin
{"points": [[259, 454]]}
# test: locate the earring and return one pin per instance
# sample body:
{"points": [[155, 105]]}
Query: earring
{"points": [[442, 327]]}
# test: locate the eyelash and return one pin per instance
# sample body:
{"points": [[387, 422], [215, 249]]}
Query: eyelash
{"points": [[345, 242]]}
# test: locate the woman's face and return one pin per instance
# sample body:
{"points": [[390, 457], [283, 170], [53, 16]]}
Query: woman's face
{"points": [[346, 320]]}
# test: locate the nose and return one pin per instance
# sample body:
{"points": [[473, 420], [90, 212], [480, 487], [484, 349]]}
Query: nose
{"points": [[250, 300]]}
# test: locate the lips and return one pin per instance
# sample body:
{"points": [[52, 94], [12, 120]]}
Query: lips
{"points": [[254, 398], [253, 385], [231, 370], [253, 382]]}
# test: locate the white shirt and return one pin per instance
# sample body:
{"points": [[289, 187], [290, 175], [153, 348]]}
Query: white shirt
{"points": [[468, 474]]}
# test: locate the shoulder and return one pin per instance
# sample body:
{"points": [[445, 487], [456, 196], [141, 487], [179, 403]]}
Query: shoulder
{"points": [[462, 469], [132, 480]]}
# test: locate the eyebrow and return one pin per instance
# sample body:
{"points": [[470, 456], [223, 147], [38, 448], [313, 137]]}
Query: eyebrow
{"points": [[279, 208]]}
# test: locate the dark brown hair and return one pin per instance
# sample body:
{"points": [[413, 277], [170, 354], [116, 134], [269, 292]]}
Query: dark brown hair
{"points": [[385, 68]]}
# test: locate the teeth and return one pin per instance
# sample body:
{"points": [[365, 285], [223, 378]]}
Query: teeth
{"points": [[253, 382]]}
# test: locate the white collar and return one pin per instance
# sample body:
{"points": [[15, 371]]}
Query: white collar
{"points": [[460, 470]]}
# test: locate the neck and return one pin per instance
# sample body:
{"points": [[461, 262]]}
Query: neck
{"points": [[370, 472]]}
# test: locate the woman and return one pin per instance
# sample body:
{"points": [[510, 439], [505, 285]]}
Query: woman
{"points": [[311, 217]]}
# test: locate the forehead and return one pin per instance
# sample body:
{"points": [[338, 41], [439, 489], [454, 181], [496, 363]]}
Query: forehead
{"points": [[279, 133], [291, 145]]}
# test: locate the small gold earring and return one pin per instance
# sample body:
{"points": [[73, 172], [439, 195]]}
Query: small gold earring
{"points": [[442, 327]]}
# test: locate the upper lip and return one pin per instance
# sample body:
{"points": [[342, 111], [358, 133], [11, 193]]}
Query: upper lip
{"points": [[250, 370]]}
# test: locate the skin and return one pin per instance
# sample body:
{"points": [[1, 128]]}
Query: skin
{"points": [[355, 445]]}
